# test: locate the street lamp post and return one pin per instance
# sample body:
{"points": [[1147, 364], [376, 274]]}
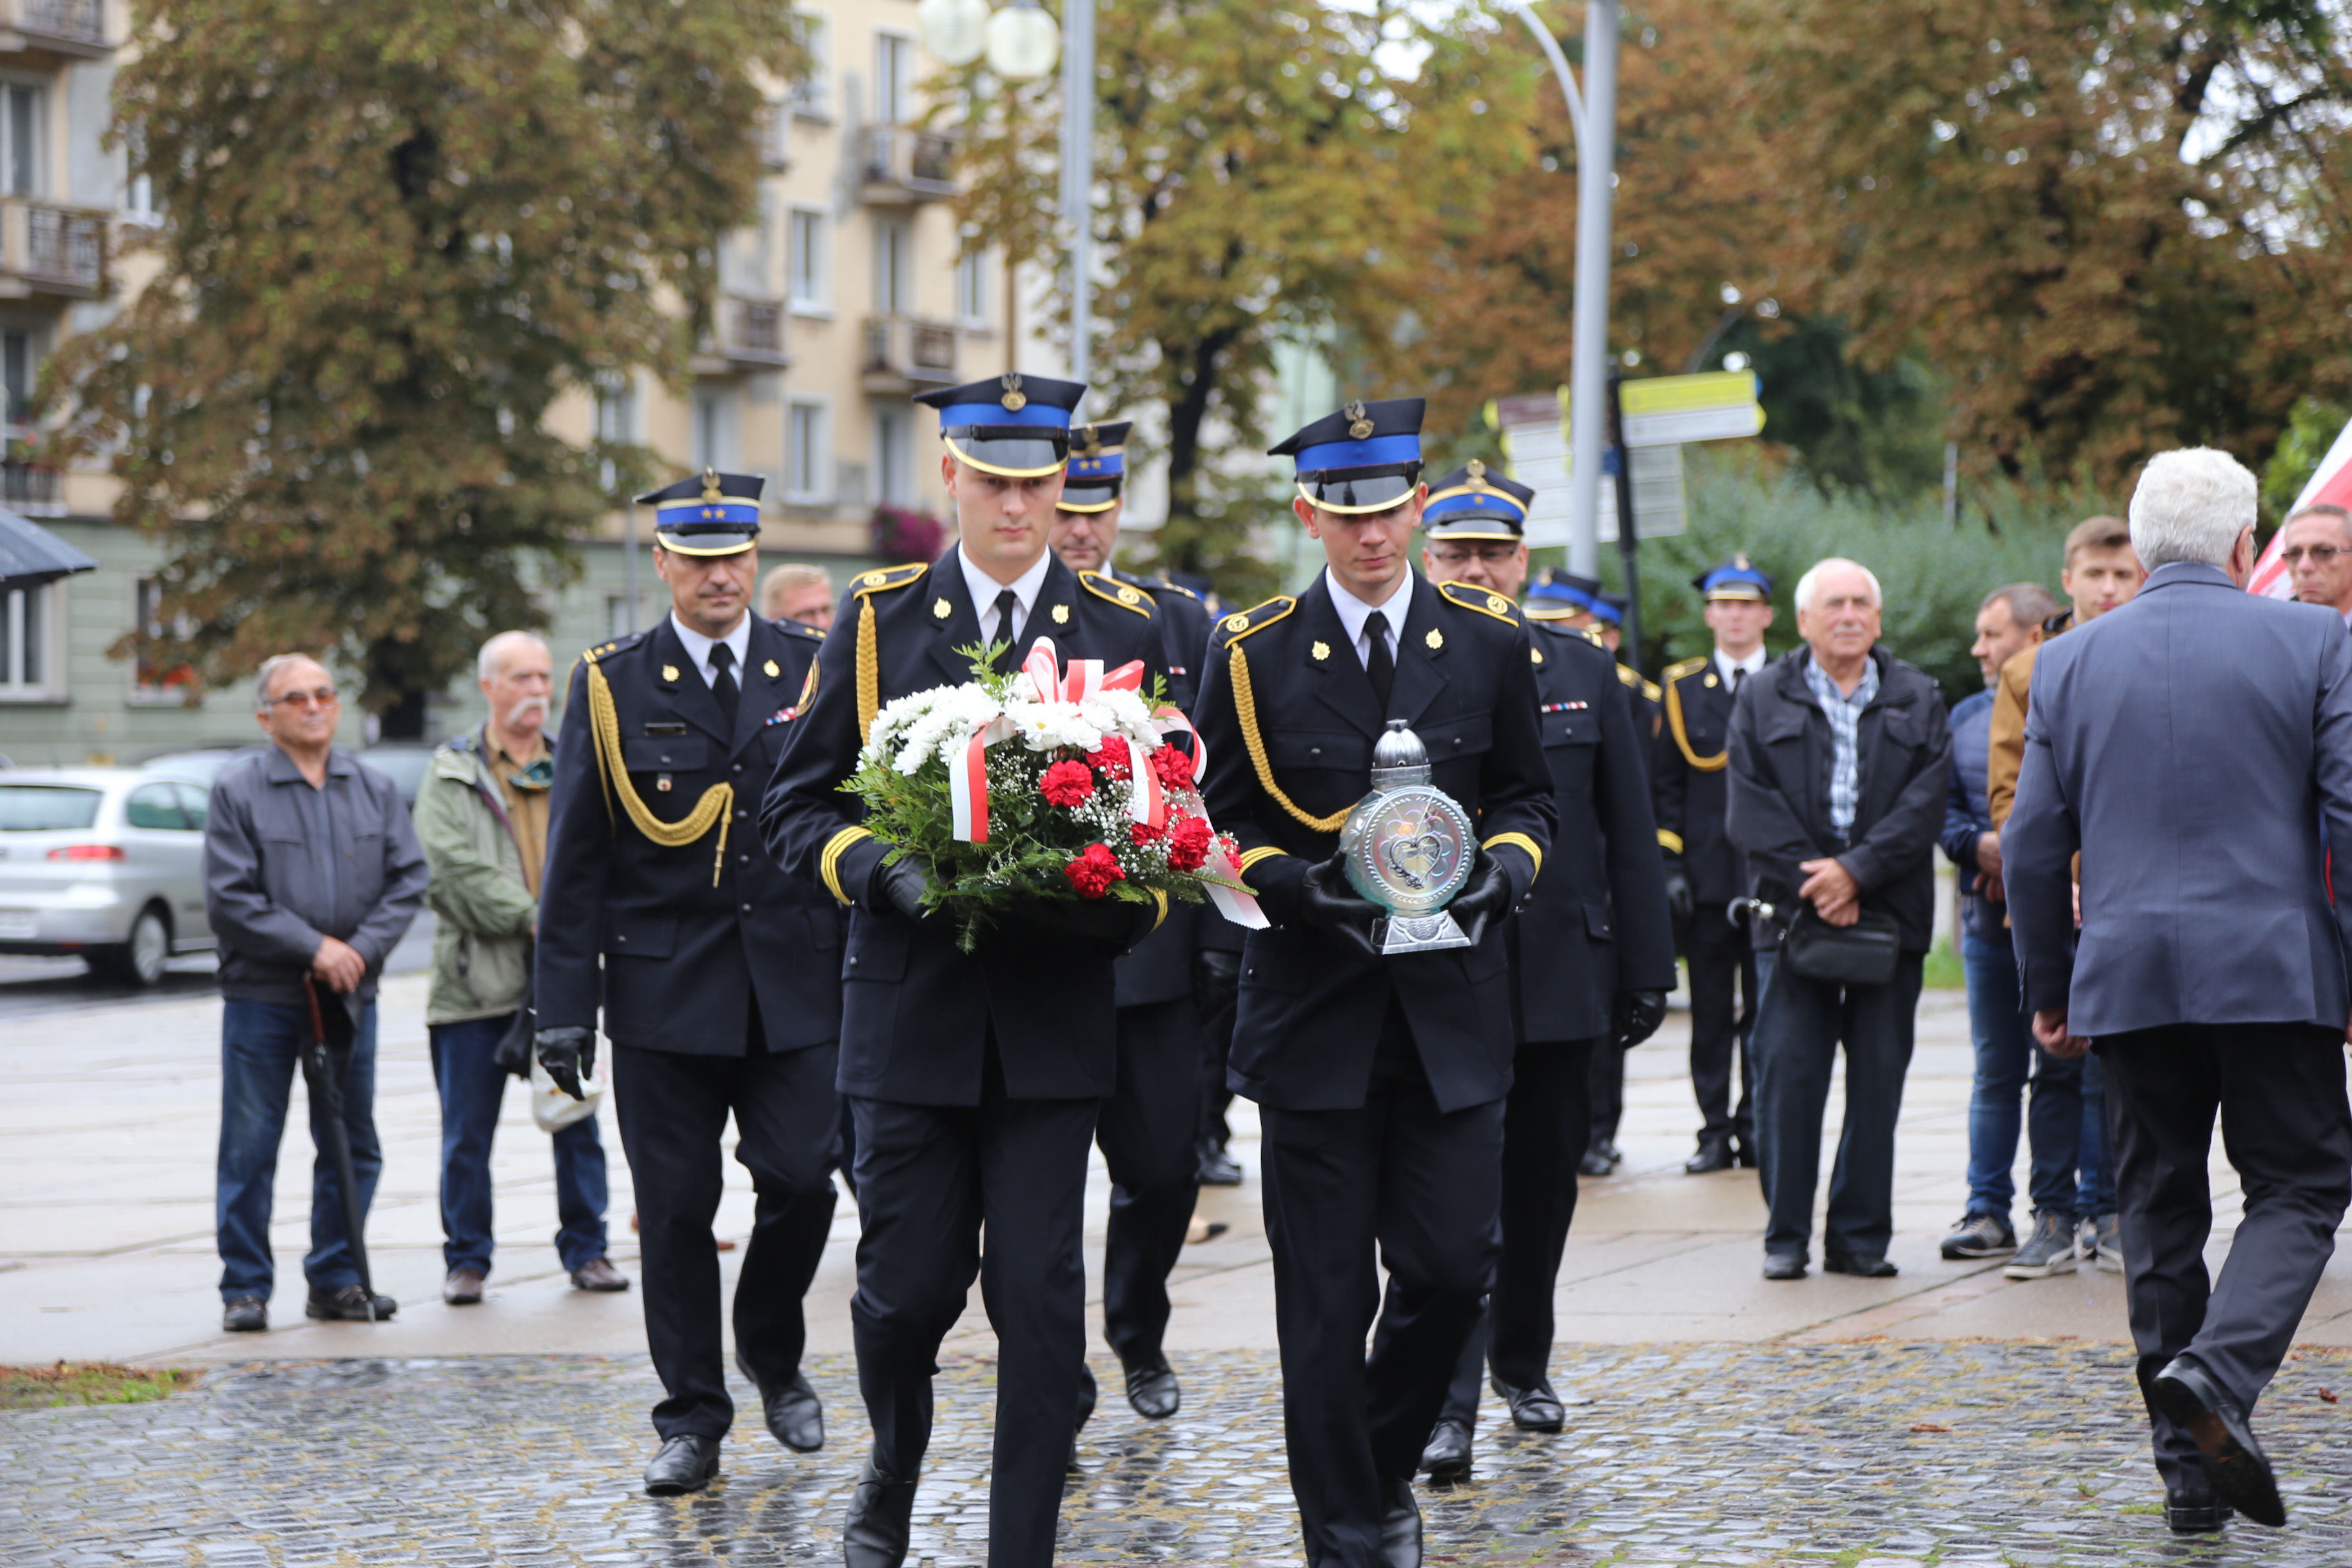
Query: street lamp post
{"points": [[1078, 174]]}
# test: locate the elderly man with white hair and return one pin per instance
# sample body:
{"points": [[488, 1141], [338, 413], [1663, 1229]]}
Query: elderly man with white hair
{"points": [[2209, 965], [482, 814], [1837, 775]]}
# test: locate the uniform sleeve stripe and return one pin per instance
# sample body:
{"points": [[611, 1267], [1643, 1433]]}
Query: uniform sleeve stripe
{"points": [[1252, 857], [1670, 842], [1520, 841], [829, 862]]}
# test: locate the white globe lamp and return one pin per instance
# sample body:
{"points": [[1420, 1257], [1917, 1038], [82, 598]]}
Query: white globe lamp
{"points": [[1024, 43], [954, 32]]}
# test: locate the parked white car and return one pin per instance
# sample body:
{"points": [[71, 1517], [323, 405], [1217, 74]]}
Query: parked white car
{"points": [[105, 864]]}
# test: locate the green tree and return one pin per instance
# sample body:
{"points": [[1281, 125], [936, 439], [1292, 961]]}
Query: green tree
{"points": [[1261, 175], [394, 235]]}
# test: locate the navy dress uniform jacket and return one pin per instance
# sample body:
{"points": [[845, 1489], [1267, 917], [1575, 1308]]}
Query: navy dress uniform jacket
{"points": [[1310, 1010], [916, 1012], [1689, 772], [1596, 924], [1161, 967], [682, 959]]}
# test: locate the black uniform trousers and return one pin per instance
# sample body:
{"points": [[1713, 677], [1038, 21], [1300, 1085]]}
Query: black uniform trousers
{"points": [[1545, 1122], [1216, 1040], [1147, 1135], [1605, 1095], [2279, 1088], [929, 1178], [1720, 954], [1395, 1181], [673, 1110]]}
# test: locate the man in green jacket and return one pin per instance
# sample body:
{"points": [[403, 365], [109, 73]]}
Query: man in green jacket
{"points": [[481, 816]]}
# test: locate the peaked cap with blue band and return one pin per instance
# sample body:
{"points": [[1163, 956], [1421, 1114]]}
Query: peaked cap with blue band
{"points": [[1609, 609], [1472, 502], [1365, 458], [1097, 466], [1560, 595], [1735, 579], [710, 513], [1016, 425]]}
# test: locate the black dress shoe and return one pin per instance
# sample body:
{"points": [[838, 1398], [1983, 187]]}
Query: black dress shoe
{"points": [[1594, 1163], [1784, 1266], [1713, 1154], [1535, 1408], [1152, 1389], [881, 1516], [1862, 1266], [1219, 1169], [350, 1305], [1399, 1523], [246, 1315], [1744, 1156], [1447, 1457], [2235, 1462], [2193, 1511], [795, 1418], [684, 1465]]}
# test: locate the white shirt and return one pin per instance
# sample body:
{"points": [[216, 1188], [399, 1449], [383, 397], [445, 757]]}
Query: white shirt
{"points": [[697, 647], [984, 588], [1354, 612], [1725, 664]]}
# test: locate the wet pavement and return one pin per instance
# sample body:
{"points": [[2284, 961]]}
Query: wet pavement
{"points": [[1857, 1455]]}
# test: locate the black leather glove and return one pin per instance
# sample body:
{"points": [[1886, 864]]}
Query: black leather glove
{"points": [[1636, 1016], [898, 886], [1113, 925], [1327, 903], [1680, 905], [570, 1058], [1484, 899], [1216, 980]]}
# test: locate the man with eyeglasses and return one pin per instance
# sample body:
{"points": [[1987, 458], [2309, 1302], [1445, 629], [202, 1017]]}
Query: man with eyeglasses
{"points": [[2318, 556], [311, 874]]}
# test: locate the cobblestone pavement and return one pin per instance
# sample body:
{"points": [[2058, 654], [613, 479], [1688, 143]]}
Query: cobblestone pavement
{"points": [[1862, 1456]]}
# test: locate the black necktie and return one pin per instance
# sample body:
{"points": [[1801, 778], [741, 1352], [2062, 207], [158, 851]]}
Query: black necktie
{"points": [[1008, 604], [722, 679], [1738, 673], [1380, 665]]}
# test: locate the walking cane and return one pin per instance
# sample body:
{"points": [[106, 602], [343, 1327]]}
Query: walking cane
{"points": [[323, 1078]]}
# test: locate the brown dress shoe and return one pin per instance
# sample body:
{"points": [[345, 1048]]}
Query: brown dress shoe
{"points": [[463, 1288], [599, 1274]]}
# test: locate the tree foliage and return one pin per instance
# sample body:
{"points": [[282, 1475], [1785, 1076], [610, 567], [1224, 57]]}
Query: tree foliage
{"points": [[394, 235]]}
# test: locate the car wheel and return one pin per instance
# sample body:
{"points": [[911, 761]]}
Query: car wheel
{"points": [[140, 962]]}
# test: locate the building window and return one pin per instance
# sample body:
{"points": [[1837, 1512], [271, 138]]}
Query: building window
{"points": [[138, 187], [894, 78], [25, 616], [893, 445], [151, 680], [620, 615], [972, 289], [20, 140], [893, 267], [714, 427], [806, 262], [20, 377], [813, 94], [808, 453]]}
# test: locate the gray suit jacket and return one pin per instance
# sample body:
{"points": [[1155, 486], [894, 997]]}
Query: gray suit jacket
{"points": [[2189, 745]]}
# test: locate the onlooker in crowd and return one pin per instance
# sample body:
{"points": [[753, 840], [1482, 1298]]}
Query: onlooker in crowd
{"points": [[310, 870], [482, 814], [2208, 966], [2318, 556], [1838, 757], [2100, 572], [796, 593], [2009, 622]]}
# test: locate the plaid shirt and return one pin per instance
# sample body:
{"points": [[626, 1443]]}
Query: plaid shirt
{"points": [[1845, 714]]}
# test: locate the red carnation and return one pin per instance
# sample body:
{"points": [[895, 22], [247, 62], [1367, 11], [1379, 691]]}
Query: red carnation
{"points": [[1144, 833], [1066, 783], [1093, 872], [1110, 757], [1174, 766], [1188, 843]]}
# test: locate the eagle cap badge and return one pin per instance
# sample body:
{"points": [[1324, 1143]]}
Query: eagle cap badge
{"points": [[1359, 427], [710, 490], [1015, 399], [1477, 475]]}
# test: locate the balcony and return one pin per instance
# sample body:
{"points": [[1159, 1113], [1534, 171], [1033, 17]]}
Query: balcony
{"points": [[50, 250], [768, 136], [75, 30], [747, 334], [905, 355], [904, 166]]}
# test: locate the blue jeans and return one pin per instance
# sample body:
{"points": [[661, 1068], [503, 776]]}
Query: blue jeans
{"points": [[261, 1049], [472, 1085], [2065, 1131]]}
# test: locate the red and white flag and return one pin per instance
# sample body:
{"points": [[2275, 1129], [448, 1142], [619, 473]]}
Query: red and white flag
{"points": [[2331, 482]]}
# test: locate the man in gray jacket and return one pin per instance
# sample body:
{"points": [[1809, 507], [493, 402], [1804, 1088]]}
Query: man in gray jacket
{"points": [[2209, 964], [310, 870]]}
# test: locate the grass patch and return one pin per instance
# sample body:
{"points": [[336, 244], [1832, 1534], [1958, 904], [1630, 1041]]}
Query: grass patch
{"points": [[86, 1382], [1943, 970]]}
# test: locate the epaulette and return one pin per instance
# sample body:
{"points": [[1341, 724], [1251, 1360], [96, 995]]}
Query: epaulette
{"points": [[1242, 623], [618, 645], [1485, 601], [1649, 688], [1592, 635], [1124, 596], [798, 628], [883, 577], [1676, 671], [1161, 585]]}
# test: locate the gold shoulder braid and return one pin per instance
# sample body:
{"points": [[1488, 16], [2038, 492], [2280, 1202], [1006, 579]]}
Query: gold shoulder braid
{"points": [[606, 719], [1245, 707], [1682, 737]]}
